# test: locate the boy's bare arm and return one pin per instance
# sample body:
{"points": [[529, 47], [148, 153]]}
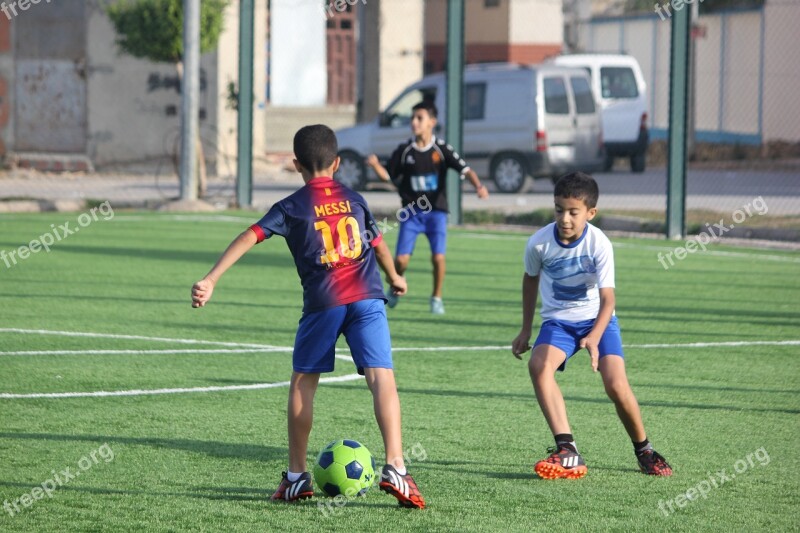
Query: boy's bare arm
{"points": [[395, 280], [482, 191], [202, 290], [379, 169], [590, 342], [530, 293]]}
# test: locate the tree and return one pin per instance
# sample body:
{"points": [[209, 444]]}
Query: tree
{"points": [[153, 30]]}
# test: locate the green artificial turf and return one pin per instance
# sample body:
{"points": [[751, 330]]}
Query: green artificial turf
{"points": [[208, 461]]}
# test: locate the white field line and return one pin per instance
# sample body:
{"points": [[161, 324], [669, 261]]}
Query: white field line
{"points": [[146, 392], [146, 352], [665, 248], [133, 337], [267, 348]]}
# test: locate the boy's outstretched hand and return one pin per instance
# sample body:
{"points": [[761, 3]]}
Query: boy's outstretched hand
{"points": [[398, 285], [594, 354], [201, 292], [521, 344]]}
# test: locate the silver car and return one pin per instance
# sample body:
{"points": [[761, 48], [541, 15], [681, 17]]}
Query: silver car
{"points": [[519, 121]]}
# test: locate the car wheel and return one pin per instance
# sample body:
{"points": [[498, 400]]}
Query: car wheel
{"points": [[638, 162], [608, 163], [352, 172], [508, 172]]}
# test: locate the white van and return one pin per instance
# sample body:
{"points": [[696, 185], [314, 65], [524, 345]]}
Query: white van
{"points": [[519, 121], [620, 88]]}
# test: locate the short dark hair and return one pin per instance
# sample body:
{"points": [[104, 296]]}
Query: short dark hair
{"points": [[315, 147], [428, 106], [578, 185]]}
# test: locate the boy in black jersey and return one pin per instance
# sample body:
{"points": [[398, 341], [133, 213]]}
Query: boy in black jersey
{"points": [[418, 168]]}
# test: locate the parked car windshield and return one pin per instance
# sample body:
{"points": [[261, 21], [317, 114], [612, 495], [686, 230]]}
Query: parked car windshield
{"points": [[399, 114], [618, 82]]}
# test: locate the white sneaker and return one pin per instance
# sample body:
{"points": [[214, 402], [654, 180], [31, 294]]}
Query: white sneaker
{"points": [[437, 306], [391, 298]]}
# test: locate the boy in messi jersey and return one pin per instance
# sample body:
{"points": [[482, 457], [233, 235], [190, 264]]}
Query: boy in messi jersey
{"points": [[418, 168], [570, 263], [337, 249]]}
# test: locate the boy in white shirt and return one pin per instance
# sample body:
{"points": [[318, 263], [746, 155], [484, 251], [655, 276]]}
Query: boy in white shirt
{"points": [[571, 264]]}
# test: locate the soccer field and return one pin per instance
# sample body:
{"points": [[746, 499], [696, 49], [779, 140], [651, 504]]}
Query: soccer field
{"points": [[123, 408]]}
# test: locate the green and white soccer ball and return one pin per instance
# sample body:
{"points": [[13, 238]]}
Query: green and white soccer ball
{"points": [[344, 467]]}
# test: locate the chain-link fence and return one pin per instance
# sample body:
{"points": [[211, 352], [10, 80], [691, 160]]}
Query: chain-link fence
{"points": [[744, 118]]}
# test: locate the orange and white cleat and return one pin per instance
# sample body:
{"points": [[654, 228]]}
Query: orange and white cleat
{"points": [[563, 462], [401, 487]]}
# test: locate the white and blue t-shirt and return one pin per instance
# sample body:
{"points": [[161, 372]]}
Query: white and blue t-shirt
{"points": [[570, 274]]}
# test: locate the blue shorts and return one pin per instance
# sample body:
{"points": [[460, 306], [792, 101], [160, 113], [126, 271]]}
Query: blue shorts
{"points": [[567, 336], [433, 224], [365, 328]]}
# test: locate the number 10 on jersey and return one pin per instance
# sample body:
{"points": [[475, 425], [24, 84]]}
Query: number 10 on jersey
{"points": [[349, 247]]}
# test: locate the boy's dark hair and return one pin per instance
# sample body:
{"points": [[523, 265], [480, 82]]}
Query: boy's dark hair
{"points": [[578, 185], [428, 106], [315, 147]]}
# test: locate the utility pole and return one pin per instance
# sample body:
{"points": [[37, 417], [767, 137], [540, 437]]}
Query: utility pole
{"points": [[454, 98], [190, 96], [244, 153], [678, 96]]}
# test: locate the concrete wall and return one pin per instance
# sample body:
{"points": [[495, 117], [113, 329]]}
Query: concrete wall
{"points": [[781, 105], [391, 36], [747, 75], [133, 106], [298, 62], [401, 26]]}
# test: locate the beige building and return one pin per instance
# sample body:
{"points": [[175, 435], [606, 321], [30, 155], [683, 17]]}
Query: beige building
{"points": [[518, 31], [70, 100], [74, 101]]}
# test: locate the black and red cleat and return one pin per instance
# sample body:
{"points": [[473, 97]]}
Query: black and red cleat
{"points": [[291, 491], [401, 487], [653, 463], [563, 462]]}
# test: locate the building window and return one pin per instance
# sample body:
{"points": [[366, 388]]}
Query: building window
{"points": [[491, 3]]}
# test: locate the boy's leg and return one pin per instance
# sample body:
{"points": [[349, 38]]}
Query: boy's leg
{"points": [[407, 238], [300, 417], [367, 334], [409, 229], [615, 381], [542, 366], [436, 232], [564, 460], [386, 403], [401, 263]]}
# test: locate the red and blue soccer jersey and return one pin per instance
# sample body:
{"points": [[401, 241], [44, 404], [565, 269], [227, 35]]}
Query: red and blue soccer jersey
{"points": [[330, 233]]}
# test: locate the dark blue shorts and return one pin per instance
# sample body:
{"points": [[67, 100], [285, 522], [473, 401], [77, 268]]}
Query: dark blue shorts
{"points": [[433, 224], [364, 326], [567, 336]]}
